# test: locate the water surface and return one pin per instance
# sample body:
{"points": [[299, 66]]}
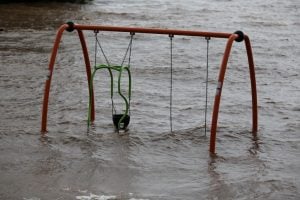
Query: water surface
{"points": [[149, 162]]}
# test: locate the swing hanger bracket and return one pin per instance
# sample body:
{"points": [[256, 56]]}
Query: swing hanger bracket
{"points": [[240, 37], [71, 27]]}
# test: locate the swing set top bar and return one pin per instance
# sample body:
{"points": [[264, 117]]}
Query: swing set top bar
{"points": [[72, 26]]}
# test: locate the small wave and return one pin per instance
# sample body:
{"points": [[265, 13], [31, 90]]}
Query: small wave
{"points": [[96, 197], [103, 197]]}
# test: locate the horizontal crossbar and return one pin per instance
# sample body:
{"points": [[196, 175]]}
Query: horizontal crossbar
{"points": [[148, 30]]}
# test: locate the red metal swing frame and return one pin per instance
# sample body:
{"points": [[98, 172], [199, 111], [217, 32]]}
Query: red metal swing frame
{"points": [[231, 37]]}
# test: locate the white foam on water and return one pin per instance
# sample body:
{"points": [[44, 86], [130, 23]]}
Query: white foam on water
{"points": [[137, 199], [96, 197], [103, 197]]}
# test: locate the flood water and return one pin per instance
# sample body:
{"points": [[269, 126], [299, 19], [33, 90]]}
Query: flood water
{"points": [[150, 162]]}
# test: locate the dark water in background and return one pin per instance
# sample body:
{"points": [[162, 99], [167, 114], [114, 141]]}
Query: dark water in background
{"points": [[149, 162]]}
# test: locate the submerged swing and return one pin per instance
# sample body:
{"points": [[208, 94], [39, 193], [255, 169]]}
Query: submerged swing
{"points": [[171, 36], [120, 120]]}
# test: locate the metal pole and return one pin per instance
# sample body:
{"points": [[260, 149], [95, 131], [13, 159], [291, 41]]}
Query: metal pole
{"points": [[219, 92], [49, 77]]}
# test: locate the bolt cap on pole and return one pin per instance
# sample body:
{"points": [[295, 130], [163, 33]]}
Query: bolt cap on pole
{"points": [[240, 37], [71, 26]]}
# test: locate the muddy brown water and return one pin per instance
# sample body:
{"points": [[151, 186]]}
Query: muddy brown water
{"points": [[149, 162]]}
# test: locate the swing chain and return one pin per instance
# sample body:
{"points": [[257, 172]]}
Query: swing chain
{"points": [[129, 62], [128, 49], [98, 43], [171, 36], [96, 49], [206, 83]]}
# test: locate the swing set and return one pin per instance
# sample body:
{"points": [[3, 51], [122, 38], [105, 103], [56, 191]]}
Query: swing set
{"points": [[121, 120]]}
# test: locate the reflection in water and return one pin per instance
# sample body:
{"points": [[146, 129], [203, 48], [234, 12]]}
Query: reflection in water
{"points": [[217, 187], [254, 149], [97, 164], [121, 171]]}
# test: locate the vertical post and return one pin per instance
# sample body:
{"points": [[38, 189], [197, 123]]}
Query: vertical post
{"points": [[253, 84], [88, 72], [219, 92], [49, 77]]}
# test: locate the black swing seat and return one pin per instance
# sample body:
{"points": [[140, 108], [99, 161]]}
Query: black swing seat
{"points": [[123, 124]]}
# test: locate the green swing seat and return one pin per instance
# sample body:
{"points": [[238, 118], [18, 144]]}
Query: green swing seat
{"points": [[121, 121]]}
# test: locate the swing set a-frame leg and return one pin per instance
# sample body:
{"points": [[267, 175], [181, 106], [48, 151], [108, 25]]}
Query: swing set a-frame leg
{"points": [[69, 27], [231, 39]]}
